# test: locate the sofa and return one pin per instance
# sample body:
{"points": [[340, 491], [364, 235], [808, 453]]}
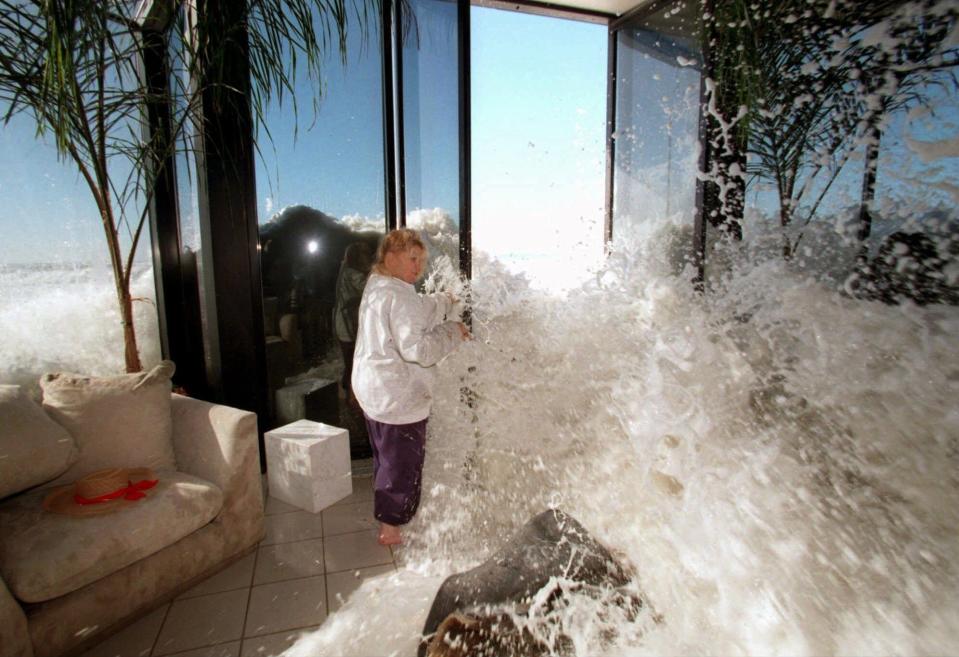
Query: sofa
{"points": [[69, 580]]}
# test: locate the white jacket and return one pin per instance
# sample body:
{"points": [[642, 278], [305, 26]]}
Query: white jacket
{"points": [[401, 336]]}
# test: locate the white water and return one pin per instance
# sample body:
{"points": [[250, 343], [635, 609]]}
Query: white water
{"points": [[61, 317], [779, 463]]}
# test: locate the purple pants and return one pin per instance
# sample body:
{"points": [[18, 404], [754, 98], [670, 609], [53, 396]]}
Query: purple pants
{"points": [[398, 451]]}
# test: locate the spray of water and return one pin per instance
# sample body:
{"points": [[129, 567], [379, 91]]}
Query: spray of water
{"points": [[777, 462], [57, 317]]}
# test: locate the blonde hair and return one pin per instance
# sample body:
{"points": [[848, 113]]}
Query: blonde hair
{"points": [[396, 241]]}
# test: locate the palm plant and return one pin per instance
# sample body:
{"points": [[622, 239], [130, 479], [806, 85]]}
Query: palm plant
{"points": [[73, 67], [815, 80]]}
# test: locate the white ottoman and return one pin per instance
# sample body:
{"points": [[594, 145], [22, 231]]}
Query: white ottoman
{"points": [[308, 464]]}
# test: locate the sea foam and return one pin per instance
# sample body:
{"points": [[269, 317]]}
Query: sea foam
{"points": [[63, 317], [775, 459]]}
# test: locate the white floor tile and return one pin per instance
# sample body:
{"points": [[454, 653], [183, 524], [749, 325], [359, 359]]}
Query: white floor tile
{"points": [[276, 507], [339, 586], [231, 649], [356, 550], [289, 561], [237, 575], [286, 605], [204, 621], [288, 527], [346, 518], [135, 640], [272, 645]]}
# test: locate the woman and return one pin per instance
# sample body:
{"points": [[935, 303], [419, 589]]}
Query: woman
{"points": [[402, 335], [349, 292]]}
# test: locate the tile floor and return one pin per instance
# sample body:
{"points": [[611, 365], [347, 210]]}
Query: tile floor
{"points": [[303, 570]]}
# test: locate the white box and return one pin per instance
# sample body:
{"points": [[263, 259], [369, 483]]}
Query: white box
{"points": [[308, 464]]}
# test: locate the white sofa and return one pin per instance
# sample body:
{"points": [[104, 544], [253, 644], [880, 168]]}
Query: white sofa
{"points": [[67, 582]]}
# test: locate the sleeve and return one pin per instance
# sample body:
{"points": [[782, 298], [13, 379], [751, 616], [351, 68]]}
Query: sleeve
{"points": [[417, 339]]}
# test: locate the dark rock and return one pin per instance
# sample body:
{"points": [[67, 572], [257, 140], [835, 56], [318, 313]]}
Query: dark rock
{"points": [[490, 635], [472, 611]]}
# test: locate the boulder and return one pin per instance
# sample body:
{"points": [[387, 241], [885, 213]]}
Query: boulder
{"points": [[475, 612]]}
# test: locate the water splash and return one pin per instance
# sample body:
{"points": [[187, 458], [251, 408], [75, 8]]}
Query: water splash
{"points": [[63, 317], [776, 460]]}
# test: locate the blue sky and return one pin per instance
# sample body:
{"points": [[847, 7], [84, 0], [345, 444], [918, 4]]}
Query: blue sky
{"points": [[538, 157], [537, 82], [547, 137], [48, 214], [335, 162]]}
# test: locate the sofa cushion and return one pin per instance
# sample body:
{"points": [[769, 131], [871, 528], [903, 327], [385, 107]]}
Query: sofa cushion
{"points": [[118, 422], [45, 555], [33, 448]]}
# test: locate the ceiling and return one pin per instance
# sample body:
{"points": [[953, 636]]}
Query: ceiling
{"points": [[549, 7], [675, 17], [678, 17], [615, 7]]}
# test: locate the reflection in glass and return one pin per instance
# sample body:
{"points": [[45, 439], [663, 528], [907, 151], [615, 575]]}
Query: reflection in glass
{"points": [[657, 124], [321, 203]]}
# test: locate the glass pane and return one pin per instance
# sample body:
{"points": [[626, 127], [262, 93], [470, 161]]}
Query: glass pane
{"points": [[58, 304], [431, 128], [538, 145], [658, 72], [913, 241], [815, 206], [186, 175], [320, 190]]}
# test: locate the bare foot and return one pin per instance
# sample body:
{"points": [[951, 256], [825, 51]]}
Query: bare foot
{"points": [[389, 535]]}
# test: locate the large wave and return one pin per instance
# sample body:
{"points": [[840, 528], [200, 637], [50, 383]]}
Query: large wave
{"points": [[777, 460], [65, 317]]}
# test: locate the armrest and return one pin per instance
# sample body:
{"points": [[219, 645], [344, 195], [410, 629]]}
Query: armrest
{"points": [[215, 442], [14, 636], [220, 444]]}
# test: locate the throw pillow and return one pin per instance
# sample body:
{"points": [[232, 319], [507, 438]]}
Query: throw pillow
{"points": [[118, 422], [33, 448]]}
